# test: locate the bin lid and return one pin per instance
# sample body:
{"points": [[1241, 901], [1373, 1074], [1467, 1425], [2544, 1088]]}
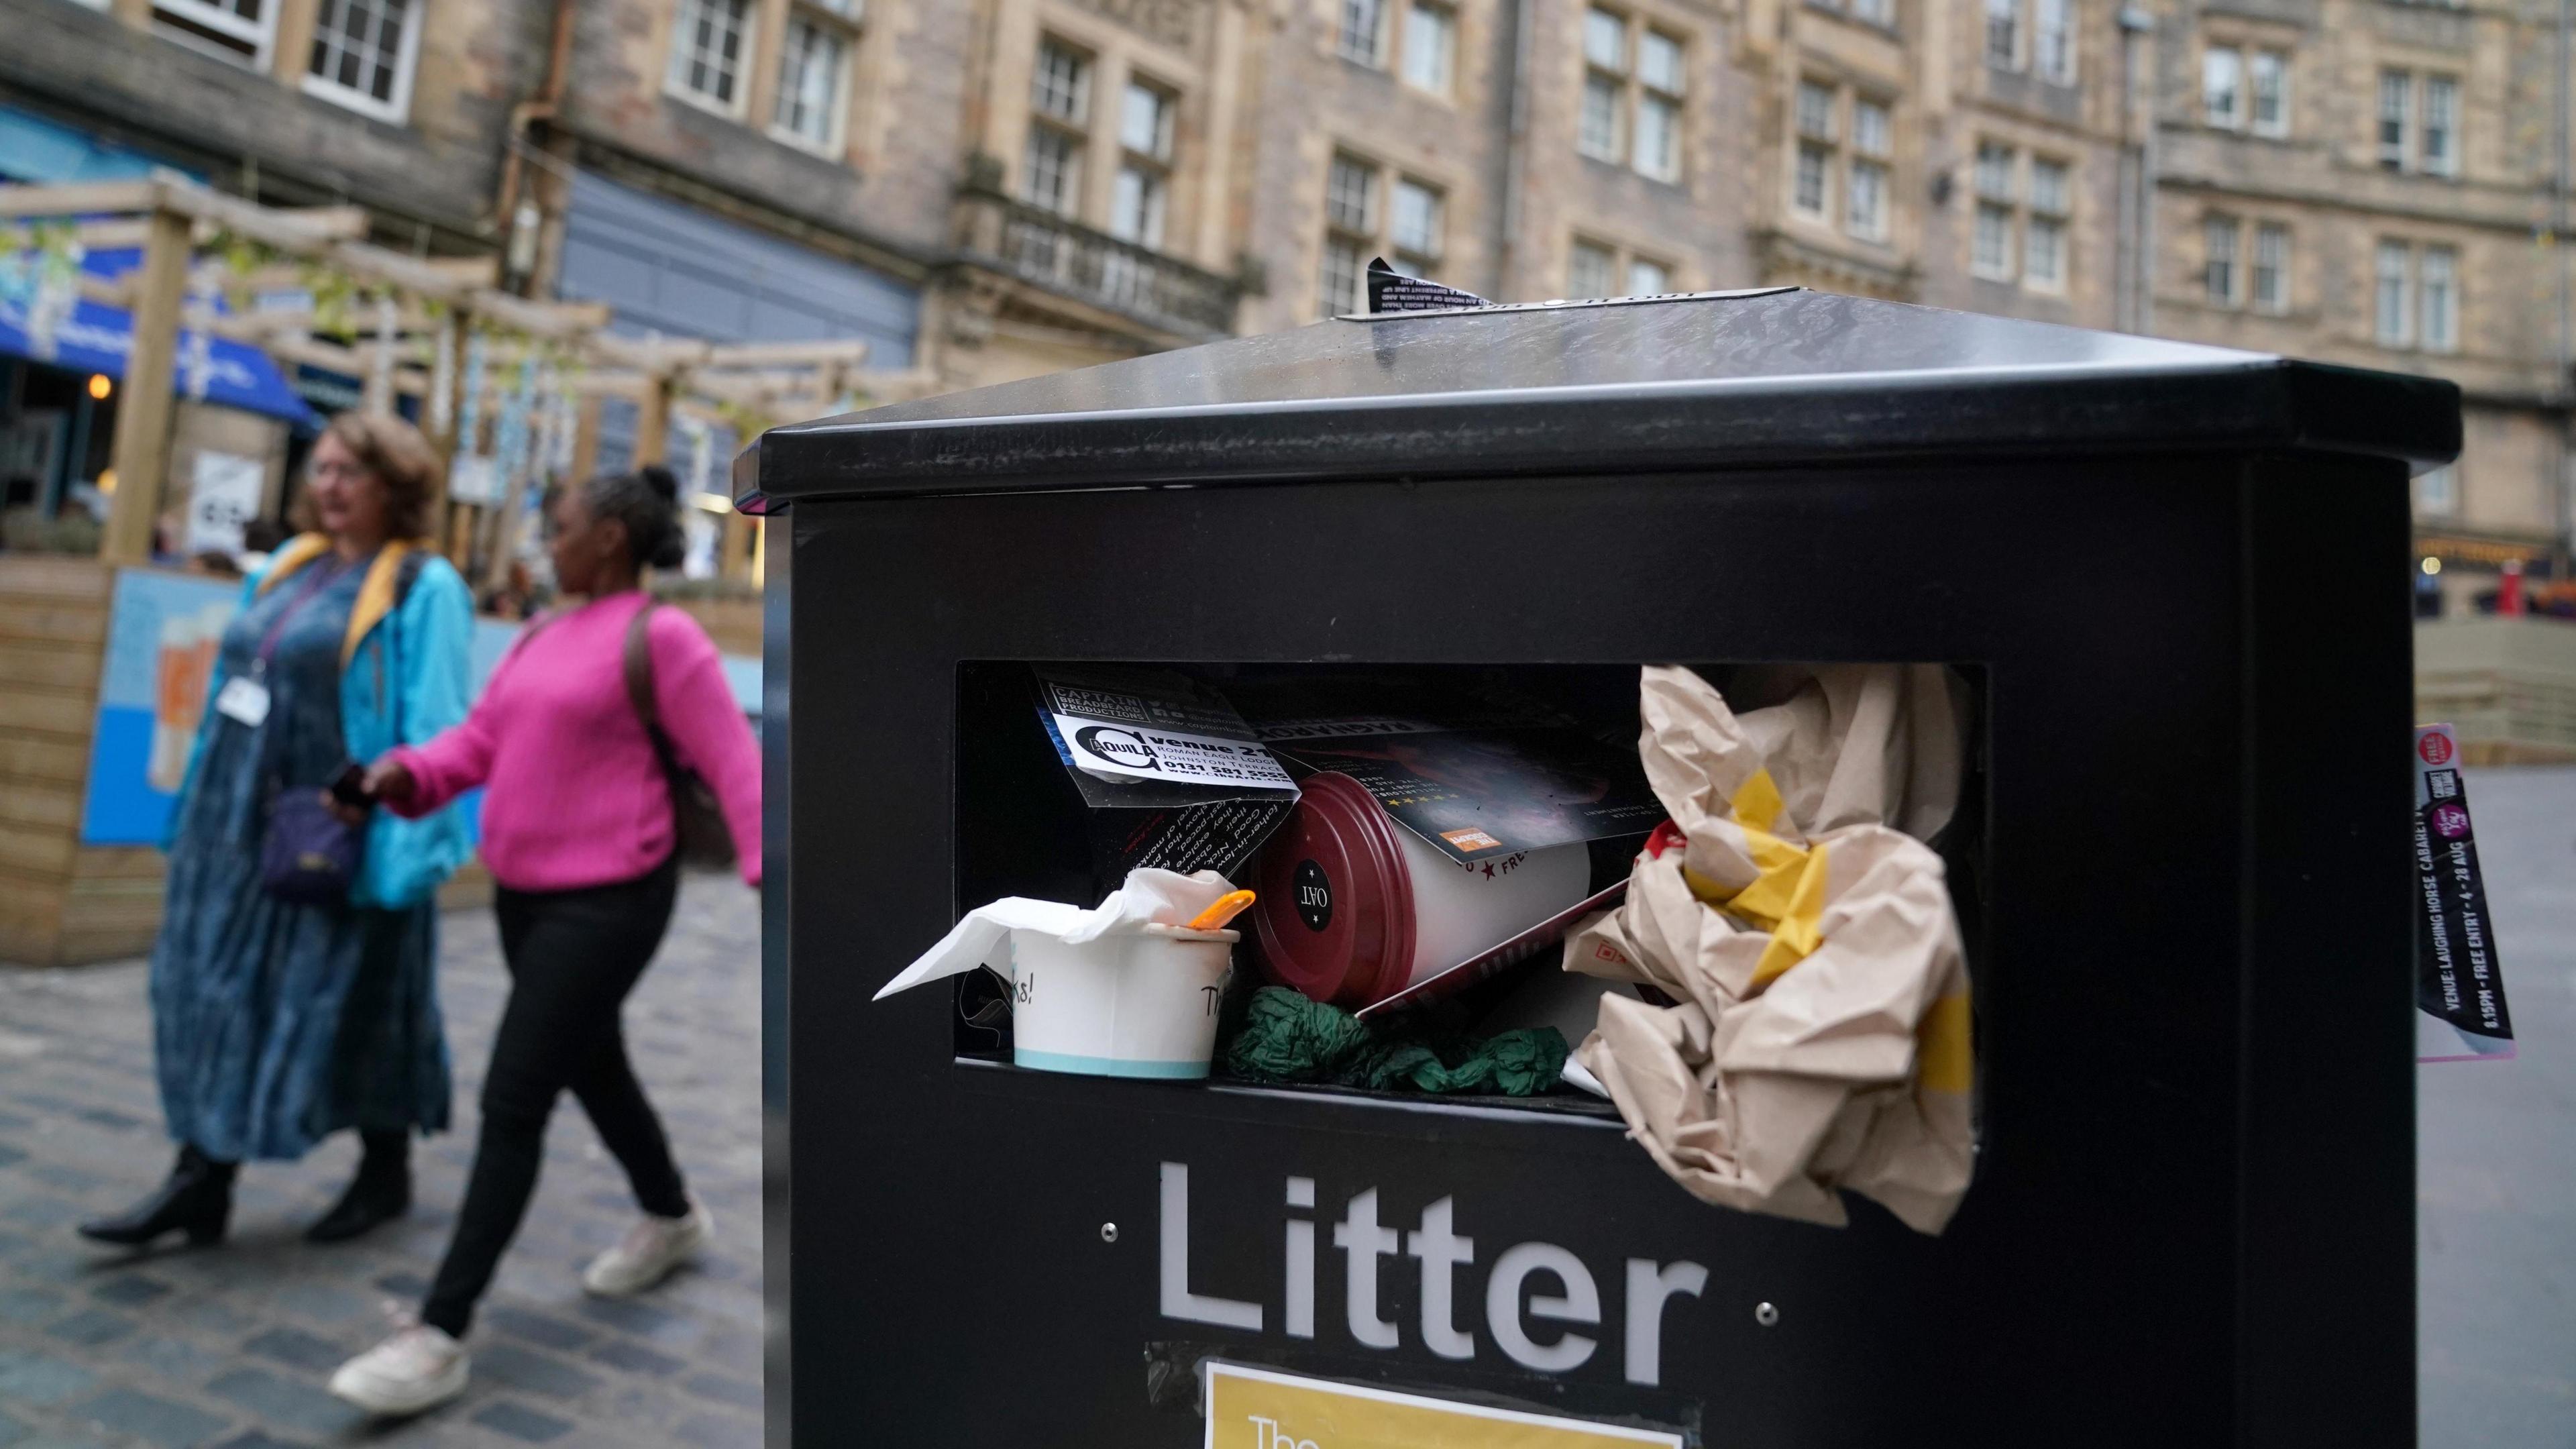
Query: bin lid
{"points": [[1764, 377]]}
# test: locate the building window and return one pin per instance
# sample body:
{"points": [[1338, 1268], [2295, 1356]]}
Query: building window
{"points": [[1605, 66], [2057, 41], [1594, 269], [2222, 87], [1060, 98], [1659, 106], [362, 55], [1875, 12], [710, 43], [1363, 36], [1991, 254], [2438, 492], [1415, 224], [1144, 186], [2396, 89], [1865, 204], [1430, 47], [2218, 267], [2271, 93], [2393, 316], [2003, 34], [1589, 270], [235, 29], [2438, 299], [1809, 185], [2441, 140], [1368, 212], [813, 83], [1631, 112], [2272, 268], [2044, 242]]}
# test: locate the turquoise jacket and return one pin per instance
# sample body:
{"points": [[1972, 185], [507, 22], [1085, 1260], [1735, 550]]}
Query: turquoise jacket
{"points": [[405, 675]]}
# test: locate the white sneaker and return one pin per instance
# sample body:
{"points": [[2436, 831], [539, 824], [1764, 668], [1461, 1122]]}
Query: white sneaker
{"points": [[652, 1248], [417, 1369]]}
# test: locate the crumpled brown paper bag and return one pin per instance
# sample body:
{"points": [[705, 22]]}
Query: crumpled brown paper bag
{"points": [[1822, 1040]]}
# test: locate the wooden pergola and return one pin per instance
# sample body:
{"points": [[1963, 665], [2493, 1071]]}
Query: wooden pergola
{"points": [[408, 341]]}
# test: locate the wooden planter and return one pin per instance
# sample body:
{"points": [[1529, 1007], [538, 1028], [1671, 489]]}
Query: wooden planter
{"points": [[61, 902]]}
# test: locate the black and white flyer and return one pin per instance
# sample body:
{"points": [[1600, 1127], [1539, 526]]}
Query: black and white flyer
{"points": [[2459, 992]]}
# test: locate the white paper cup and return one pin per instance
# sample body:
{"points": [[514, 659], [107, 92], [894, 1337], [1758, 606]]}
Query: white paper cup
{"points": [[1461, 911], [1121, 1006]]}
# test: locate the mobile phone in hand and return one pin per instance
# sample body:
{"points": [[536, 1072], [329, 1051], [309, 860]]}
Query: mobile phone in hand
{"points": [[350, 788]]}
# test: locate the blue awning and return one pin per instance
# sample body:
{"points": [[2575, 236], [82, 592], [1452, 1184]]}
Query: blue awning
{"points": [[98, 338]]}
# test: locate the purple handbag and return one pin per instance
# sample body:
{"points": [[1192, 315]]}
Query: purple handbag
{"points": [[311, 855]]}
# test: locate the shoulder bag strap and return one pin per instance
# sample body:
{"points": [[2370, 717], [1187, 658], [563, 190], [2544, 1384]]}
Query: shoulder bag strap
{"points": [[638, 665]]}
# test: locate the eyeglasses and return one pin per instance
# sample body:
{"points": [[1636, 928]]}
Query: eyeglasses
{"points": [[342, 472]]}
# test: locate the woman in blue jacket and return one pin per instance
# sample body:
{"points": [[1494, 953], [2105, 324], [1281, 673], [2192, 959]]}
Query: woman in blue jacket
{"points": [[275, 1023]]}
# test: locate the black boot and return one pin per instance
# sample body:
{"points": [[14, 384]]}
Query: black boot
{"points": [[379, 1193], [197, 1199]]}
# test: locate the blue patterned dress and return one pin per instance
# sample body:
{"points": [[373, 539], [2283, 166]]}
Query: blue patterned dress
{"points": [[275, 1024]]}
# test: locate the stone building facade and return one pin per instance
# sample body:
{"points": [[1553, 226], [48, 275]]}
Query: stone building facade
{"points": [[993, 188]]}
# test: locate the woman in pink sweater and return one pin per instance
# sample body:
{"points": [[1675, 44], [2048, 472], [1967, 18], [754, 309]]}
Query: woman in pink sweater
{"points": [[579, 833]]}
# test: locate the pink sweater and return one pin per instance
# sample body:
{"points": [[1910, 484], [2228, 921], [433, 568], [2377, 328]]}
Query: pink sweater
{"points": [[575, 795]]}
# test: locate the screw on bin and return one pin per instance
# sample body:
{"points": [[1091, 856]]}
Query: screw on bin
{"points": [[1766, 1314], [1109, 1232]]}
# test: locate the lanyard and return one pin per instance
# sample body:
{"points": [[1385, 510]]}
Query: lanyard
{"points": [[321, 578]]}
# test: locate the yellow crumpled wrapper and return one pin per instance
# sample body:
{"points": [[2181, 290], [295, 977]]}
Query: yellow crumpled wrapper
{"points": [[1822, 1040]]}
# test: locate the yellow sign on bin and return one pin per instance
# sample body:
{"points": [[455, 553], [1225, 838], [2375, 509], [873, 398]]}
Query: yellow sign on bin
{"points": [[1250, 1408]]}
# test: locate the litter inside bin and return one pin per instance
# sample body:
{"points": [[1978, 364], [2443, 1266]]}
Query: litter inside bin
{"points": [[1287, 1038], [1168, 775], [1126, 989], [1434, 842], [1822, 1036]]}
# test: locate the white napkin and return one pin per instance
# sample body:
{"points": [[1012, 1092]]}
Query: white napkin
{"points": [[1149, 898]]}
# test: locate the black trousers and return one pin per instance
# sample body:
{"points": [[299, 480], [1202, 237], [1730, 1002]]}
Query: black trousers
{"points": [[573, 956]]}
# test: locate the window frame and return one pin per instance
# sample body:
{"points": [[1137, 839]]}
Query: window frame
{"points": [[2394, 151], [1625, 80], [397, 110], [1072, 133], [2217, 227], [1373, 234], [2068, 35], [1378, 54], [1619, 264], [2278, 266], [845, 29], [2400, 335], [1156, 165], [1405, 60], [2057, 214], [2447, 340], [1822, 143], [738, 108], [2447, 163], [184, 21], [2233, 117], [2005, 14], [1862, 156], [2278, 128]]}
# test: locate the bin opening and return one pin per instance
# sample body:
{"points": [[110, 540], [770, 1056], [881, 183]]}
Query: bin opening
{"points": [[1422, 839]]}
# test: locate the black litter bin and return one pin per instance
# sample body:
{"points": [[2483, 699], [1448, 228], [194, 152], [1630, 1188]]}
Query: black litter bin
{"points": [[2176, 578]]}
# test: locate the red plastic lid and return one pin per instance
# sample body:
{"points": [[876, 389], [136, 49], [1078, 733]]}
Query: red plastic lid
{"points": [[1335, 910]]}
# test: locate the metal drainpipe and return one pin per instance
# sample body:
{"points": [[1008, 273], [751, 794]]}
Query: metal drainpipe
{"points": [[1515, 148], [2136, 24], [2558, 222]]}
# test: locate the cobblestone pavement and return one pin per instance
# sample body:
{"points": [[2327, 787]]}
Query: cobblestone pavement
{"points": [[230, 1347]]}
